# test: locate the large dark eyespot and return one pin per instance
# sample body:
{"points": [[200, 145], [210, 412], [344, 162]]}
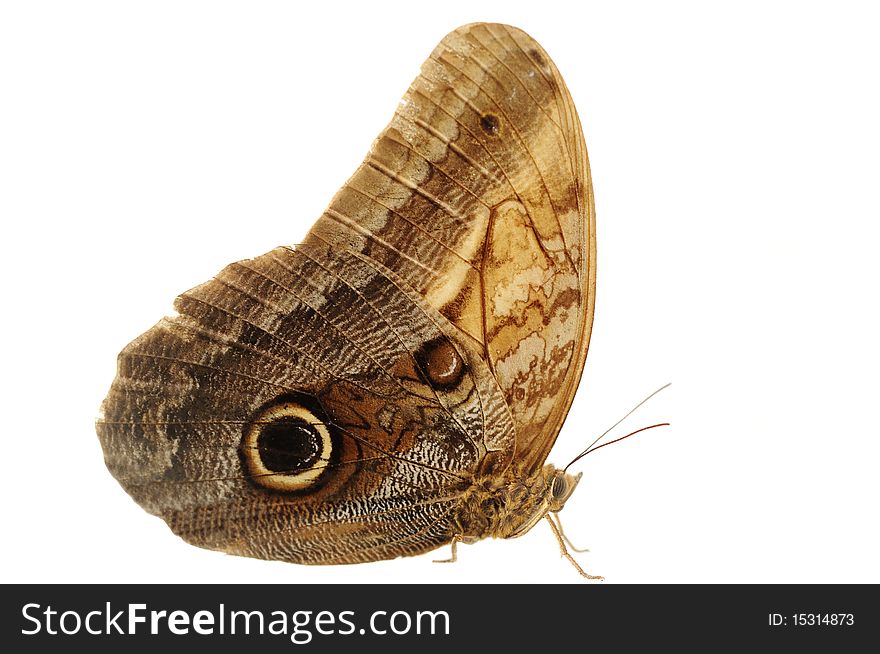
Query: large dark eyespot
{"points": [[440, 363], [286, 447], [289, 445]]}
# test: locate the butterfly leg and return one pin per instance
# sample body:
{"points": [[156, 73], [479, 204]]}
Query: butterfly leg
{"points": [[454, 557], [564, 550], [568, 542]]}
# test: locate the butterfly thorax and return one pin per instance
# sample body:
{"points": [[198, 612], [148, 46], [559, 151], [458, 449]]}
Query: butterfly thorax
{"points": [[509, 506]]}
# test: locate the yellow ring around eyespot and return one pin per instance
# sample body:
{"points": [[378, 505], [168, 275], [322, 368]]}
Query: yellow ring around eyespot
{"points": [[279, 480]]}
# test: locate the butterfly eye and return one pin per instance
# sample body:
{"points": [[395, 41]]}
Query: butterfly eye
{"points": [[286, 447], [559, 491]]}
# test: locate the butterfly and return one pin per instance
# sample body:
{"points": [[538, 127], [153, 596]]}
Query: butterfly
{"points": [[395, 382]]}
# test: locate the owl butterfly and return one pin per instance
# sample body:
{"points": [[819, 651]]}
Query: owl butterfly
{"points": [[395, 382]]}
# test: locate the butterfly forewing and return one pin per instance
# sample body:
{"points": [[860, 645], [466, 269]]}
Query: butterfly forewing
{"points": [[479, 195]]}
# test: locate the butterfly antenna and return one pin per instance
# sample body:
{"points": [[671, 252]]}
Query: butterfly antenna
{"points": [[590, 448]]}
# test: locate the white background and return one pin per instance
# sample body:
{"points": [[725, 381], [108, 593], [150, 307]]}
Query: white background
{"points": [[143, 146]]}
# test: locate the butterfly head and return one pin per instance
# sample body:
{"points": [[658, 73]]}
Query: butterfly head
{"points": [[562, 485], [526, 504]]}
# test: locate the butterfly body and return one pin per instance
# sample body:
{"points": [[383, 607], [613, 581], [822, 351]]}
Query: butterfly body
{"points": [[394, 383], [510, 506]]}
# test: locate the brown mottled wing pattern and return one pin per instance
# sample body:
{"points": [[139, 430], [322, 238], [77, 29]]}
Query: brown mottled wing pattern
{"points": [[316, 325], [433, 326]]}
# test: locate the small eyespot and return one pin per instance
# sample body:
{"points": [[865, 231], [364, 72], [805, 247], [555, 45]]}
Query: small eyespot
{"points": [[537, 58], [490, 124], [440, 363], [286, 447]]}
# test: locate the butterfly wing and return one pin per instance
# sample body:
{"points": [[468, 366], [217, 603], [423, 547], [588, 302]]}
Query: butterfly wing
{"points": [[479, 195], [333, 402], [206, 422]]}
